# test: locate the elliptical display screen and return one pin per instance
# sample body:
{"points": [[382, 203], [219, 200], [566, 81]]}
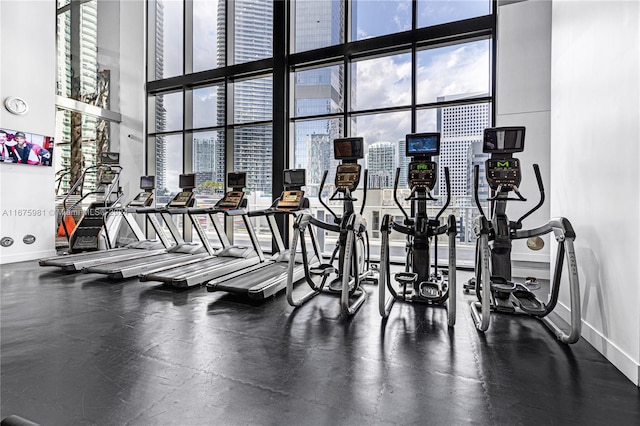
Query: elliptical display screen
{"points": [[294, 177], [187, 181], [503, 140], [147, 182], [423, 144], [237, 179], [348, 148]]}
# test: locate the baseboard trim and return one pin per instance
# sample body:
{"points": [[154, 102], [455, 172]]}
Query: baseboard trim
{"points": [[21, 257], [616, 356]]}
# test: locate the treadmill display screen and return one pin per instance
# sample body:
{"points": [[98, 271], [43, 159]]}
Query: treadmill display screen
{"points": [[348, 148], [294, 177], [503, 140], [237, 179], [187, 181], [147, 182], [423, 144]]}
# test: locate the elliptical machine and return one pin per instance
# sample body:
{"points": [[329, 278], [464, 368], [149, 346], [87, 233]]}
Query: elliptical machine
{"points": [[420, 282], [493, 283], [352, 248]]}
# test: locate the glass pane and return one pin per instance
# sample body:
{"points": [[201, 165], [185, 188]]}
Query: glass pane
{"points": [[319, 91], [169, 152], [384, 136], [62, 3], [252, 100], [454, 72], [318, 24], [208, 165], [433, 12], [208, 34], [372, 18], [253, 30], [208, 106], [166, 110], [253, 154], [382, 82], [167, 39], [313, 149]]}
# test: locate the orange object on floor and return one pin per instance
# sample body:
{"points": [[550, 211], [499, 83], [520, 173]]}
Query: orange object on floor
{"points": [[69, 222]]}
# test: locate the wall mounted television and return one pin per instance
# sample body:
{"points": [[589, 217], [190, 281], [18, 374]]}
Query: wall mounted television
{"points": [[21, 147]]}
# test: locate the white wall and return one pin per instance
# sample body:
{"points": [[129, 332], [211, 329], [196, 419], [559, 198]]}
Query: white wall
{"points": [[27, 70], [523, 98], [595, 121]]}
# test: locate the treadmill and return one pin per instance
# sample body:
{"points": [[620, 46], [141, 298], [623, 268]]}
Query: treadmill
{"points": [[140, 248], [181, 252], [268, 278], [231, 258]]}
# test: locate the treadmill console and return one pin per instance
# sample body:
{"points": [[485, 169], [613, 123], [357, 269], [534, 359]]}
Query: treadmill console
{"points": [[182, 199], [143, 199], [232, 200], [423, 174], [348, 176], [291, 200], [503, 172]]}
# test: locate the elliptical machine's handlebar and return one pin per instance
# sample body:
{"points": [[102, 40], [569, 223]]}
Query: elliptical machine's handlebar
{"points": [[364, 194], [476, 197], [395, 195], [324, 179], [448, 184], [536, 170]]}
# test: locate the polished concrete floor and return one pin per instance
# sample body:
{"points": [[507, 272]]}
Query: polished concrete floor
{"points": [[82, 350]]}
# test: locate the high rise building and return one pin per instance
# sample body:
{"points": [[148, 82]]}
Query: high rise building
{"points": [[204, 159], [381, 163], [403, 163], [160, 111], [461, 130], [253, 99], [460, 127]]}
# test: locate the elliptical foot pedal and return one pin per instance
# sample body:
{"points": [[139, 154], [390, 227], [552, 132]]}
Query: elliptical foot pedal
{"points": [[407, 280], [322, 269], [501, 285], [528, 302]]}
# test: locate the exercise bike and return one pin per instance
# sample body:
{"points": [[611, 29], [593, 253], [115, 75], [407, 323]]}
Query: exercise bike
{"points": [[420, 282], [493, 284], [352, 247]]}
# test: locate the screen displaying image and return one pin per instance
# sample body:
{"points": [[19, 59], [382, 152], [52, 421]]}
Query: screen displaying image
{"points": [[25, 148], [423, 144], [504, 140], [348, 148]]}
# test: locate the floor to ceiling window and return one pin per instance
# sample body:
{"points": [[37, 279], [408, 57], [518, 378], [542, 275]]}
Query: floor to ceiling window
{"points": [[377, 69]]}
